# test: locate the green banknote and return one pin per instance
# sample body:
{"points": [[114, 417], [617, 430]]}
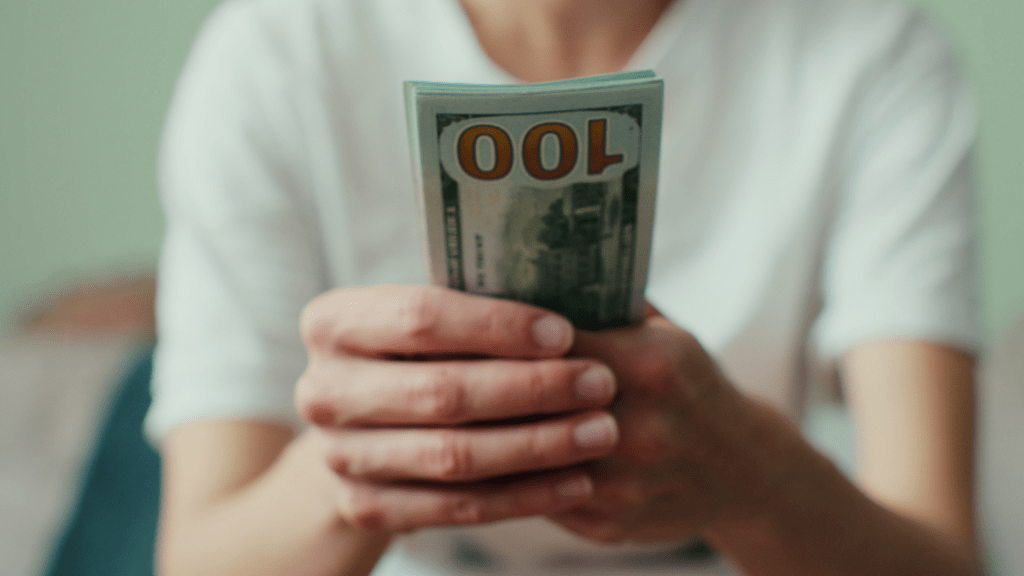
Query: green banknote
{"points": [[542, 193]]}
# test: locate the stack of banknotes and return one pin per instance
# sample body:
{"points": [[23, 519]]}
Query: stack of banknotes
{"points": [[542, 193]]}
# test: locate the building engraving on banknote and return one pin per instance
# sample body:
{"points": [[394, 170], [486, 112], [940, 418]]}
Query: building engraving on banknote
{"points": [[541, 193], [567, 246]]}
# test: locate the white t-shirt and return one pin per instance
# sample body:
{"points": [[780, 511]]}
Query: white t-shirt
{"points": [[814, 193]]}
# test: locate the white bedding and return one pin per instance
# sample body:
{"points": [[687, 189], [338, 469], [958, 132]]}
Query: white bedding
{"points": [[1001, 454], [54, 393]]}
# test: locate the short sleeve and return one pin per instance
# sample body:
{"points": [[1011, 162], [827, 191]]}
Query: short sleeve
{"points": [[241, 254], [900, 260]]}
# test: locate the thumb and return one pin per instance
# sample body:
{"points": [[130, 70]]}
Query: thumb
{"points": [[650, 311]]}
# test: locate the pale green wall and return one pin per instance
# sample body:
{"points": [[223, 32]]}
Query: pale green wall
{"points": [[988, 34], [83, 86]]}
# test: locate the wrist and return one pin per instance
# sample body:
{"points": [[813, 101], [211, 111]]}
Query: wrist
{"points": [[779, 473], [348, 548], [793, 492]]}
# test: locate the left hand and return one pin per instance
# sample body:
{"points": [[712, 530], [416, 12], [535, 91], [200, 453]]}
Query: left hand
{"points": [[693, 450]]}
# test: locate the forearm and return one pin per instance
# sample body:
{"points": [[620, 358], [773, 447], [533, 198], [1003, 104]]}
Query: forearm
{"points": [[817, 522], [285, 521]]}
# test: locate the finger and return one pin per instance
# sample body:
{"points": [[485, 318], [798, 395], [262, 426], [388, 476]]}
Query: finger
{"points": [[590, 524], [346, 391], [651, 357], [402, 508], [651, 310], [470, 454], [387, 320], [634, 353]]}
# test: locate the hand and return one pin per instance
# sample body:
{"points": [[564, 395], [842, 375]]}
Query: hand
{"points": [[692, 452], [438, 407]]}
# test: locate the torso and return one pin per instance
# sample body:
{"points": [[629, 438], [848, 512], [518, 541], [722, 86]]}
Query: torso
{"points": [[757, 104]]}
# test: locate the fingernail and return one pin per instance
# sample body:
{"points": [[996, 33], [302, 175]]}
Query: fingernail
{"points": [[595, 384], [552, 332], [599, 432], [575, 489]]}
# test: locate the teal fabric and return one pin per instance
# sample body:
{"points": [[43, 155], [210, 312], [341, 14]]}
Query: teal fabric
{"points": [[112, 529]]}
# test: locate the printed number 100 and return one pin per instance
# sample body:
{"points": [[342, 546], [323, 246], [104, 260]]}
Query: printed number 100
{"points": [[568, 146]]}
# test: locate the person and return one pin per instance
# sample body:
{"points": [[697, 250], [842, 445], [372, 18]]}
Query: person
{"points": [[317, 404]]}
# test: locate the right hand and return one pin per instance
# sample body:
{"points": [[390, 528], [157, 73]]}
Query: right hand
{"points": [[437, 407]]}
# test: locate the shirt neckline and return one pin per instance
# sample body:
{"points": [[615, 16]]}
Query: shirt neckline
{"points": [[673, 23]]}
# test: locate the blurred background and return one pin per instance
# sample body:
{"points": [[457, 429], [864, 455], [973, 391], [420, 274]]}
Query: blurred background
{"points": [[83, 90], [84, 86]]}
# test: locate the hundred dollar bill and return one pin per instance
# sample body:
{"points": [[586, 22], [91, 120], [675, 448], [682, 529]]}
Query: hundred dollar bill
{"points": [[542, 193]]}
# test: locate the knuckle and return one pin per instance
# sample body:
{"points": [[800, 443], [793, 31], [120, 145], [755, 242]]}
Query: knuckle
{"points": [[317, 326], [448, 457], [339, 463], [650, 449], [693, 358], [464, 510], [351, 459], [322, 404], [364, 511], [596, 526], [368, 518], [531, 453], [305, 389], [439, 396], [656, 370], [310, 399], [534, 388], [319, 414], [647, 442], [688, 341], [503, 320], [691, 352], [623, 494], [420, 313], [531, 501], [607, 534]]}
